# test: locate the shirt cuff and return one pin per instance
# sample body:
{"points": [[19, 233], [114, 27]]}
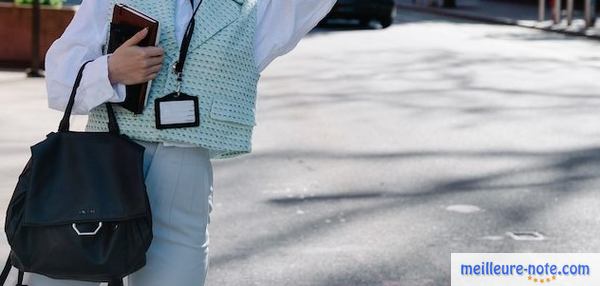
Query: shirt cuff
{"points": [[97, 87], [120, 93]]}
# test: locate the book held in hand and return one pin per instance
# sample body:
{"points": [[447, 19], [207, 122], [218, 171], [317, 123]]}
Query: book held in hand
{"points": [[126, 22]]}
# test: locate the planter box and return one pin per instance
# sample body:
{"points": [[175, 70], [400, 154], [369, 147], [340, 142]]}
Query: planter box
{"points": [[15, 32]]}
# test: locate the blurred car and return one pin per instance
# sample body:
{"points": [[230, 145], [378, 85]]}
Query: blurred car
{"points": [[383, 11]]}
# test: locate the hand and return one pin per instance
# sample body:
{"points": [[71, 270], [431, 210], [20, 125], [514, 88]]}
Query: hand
{"points": [[132, 64]]}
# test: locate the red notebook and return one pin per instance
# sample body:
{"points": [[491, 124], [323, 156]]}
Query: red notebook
{"points": [[126, 22]]}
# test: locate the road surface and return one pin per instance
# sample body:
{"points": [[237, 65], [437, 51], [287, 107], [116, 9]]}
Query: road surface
{"points": [[379, 152]]}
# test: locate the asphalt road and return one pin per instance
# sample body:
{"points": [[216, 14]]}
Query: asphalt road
{"points": [[379, 152]]}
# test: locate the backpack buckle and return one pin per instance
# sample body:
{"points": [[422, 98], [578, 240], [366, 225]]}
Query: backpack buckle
{"points": [[82, 233]]}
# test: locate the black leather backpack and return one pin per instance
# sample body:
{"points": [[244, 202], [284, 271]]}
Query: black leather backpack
{"points": [[80, 210]]}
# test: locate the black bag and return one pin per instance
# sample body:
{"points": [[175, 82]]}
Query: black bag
{"points": [[80, 209]]}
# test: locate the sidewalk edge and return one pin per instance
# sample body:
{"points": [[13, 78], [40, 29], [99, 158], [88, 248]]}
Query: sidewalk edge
{"points": [[453, 12]]}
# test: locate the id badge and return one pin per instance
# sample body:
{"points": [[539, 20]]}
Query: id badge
{"points": [[177, 111]]}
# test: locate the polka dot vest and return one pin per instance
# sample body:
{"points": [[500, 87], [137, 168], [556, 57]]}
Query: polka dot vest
{"points": [[220, 70]]}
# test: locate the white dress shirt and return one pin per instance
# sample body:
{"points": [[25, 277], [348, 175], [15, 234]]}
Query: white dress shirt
{"points": [[280, 26]]}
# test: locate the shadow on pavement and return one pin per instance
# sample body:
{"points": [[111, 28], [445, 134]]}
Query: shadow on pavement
{"points": [[570, 172]]}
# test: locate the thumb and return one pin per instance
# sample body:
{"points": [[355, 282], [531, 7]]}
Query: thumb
{"points": [[137, 38]]}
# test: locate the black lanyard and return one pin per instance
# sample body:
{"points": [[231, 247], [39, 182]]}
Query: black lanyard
{"points": [[185, 45]]}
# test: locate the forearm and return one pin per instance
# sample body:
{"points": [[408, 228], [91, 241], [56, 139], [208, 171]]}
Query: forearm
{"points": [[82, 41], [94, 90]]}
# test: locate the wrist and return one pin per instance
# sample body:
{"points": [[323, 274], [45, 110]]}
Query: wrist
{"points": [[111, 73]]}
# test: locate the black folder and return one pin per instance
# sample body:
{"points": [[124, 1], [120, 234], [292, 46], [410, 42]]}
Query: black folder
{"points": [[126, 22]]}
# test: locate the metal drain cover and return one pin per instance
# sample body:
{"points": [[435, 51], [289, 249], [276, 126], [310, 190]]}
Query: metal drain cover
{"points": [[526, 235]]}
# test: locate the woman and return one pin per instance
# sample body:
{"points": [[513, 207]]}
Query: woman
{"points": [[232, 42]]}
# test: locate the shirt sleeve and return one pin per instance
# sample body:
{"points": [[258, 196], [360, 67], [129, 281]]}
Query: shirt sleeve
{"points": [[281, 24], [83, 40]]}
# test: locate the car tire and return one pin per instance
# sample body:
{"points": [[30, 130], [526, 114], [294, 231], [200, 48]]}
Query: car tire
{"points": [[364, 22], [386, 22]]}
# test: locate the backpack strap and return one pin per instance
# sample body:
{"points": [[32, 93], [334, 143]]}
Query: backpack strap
{"points": [[6, 271], [20, 278]]}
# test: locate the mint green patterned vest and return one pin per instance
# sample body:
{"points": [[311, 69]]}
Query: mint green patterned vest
{"points": [[220, 70]]}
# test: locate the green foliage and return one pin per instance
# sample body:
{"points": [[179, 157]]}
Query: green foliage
{"points": [[53, 3]]}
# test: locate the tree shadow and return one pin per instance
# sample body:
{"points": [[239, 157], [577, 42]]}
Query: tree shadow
{"points": [[572, 171]]}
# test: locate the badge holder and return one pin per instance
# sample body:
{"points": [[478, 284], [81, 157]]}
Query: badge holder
{"points": [[179, 110]]}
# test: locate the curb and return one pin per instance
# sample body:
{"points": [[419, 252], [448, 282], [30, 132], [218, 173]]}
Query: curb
{"points": [[450, 12]]}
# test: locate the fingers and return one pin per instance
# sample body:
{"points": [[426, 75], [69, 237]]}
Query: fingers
{"points": [[150, 77], [149, 62], [153, 51], [136, 39], [137, 64], [153, 70]]}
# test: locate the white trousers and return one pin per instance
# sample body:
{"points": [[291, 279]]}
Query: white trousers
{"points": [[179, 182]]}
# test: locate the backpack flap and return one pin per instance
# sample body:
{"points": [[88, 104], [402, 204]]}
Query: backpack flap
{"points": [[79, 177]]}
